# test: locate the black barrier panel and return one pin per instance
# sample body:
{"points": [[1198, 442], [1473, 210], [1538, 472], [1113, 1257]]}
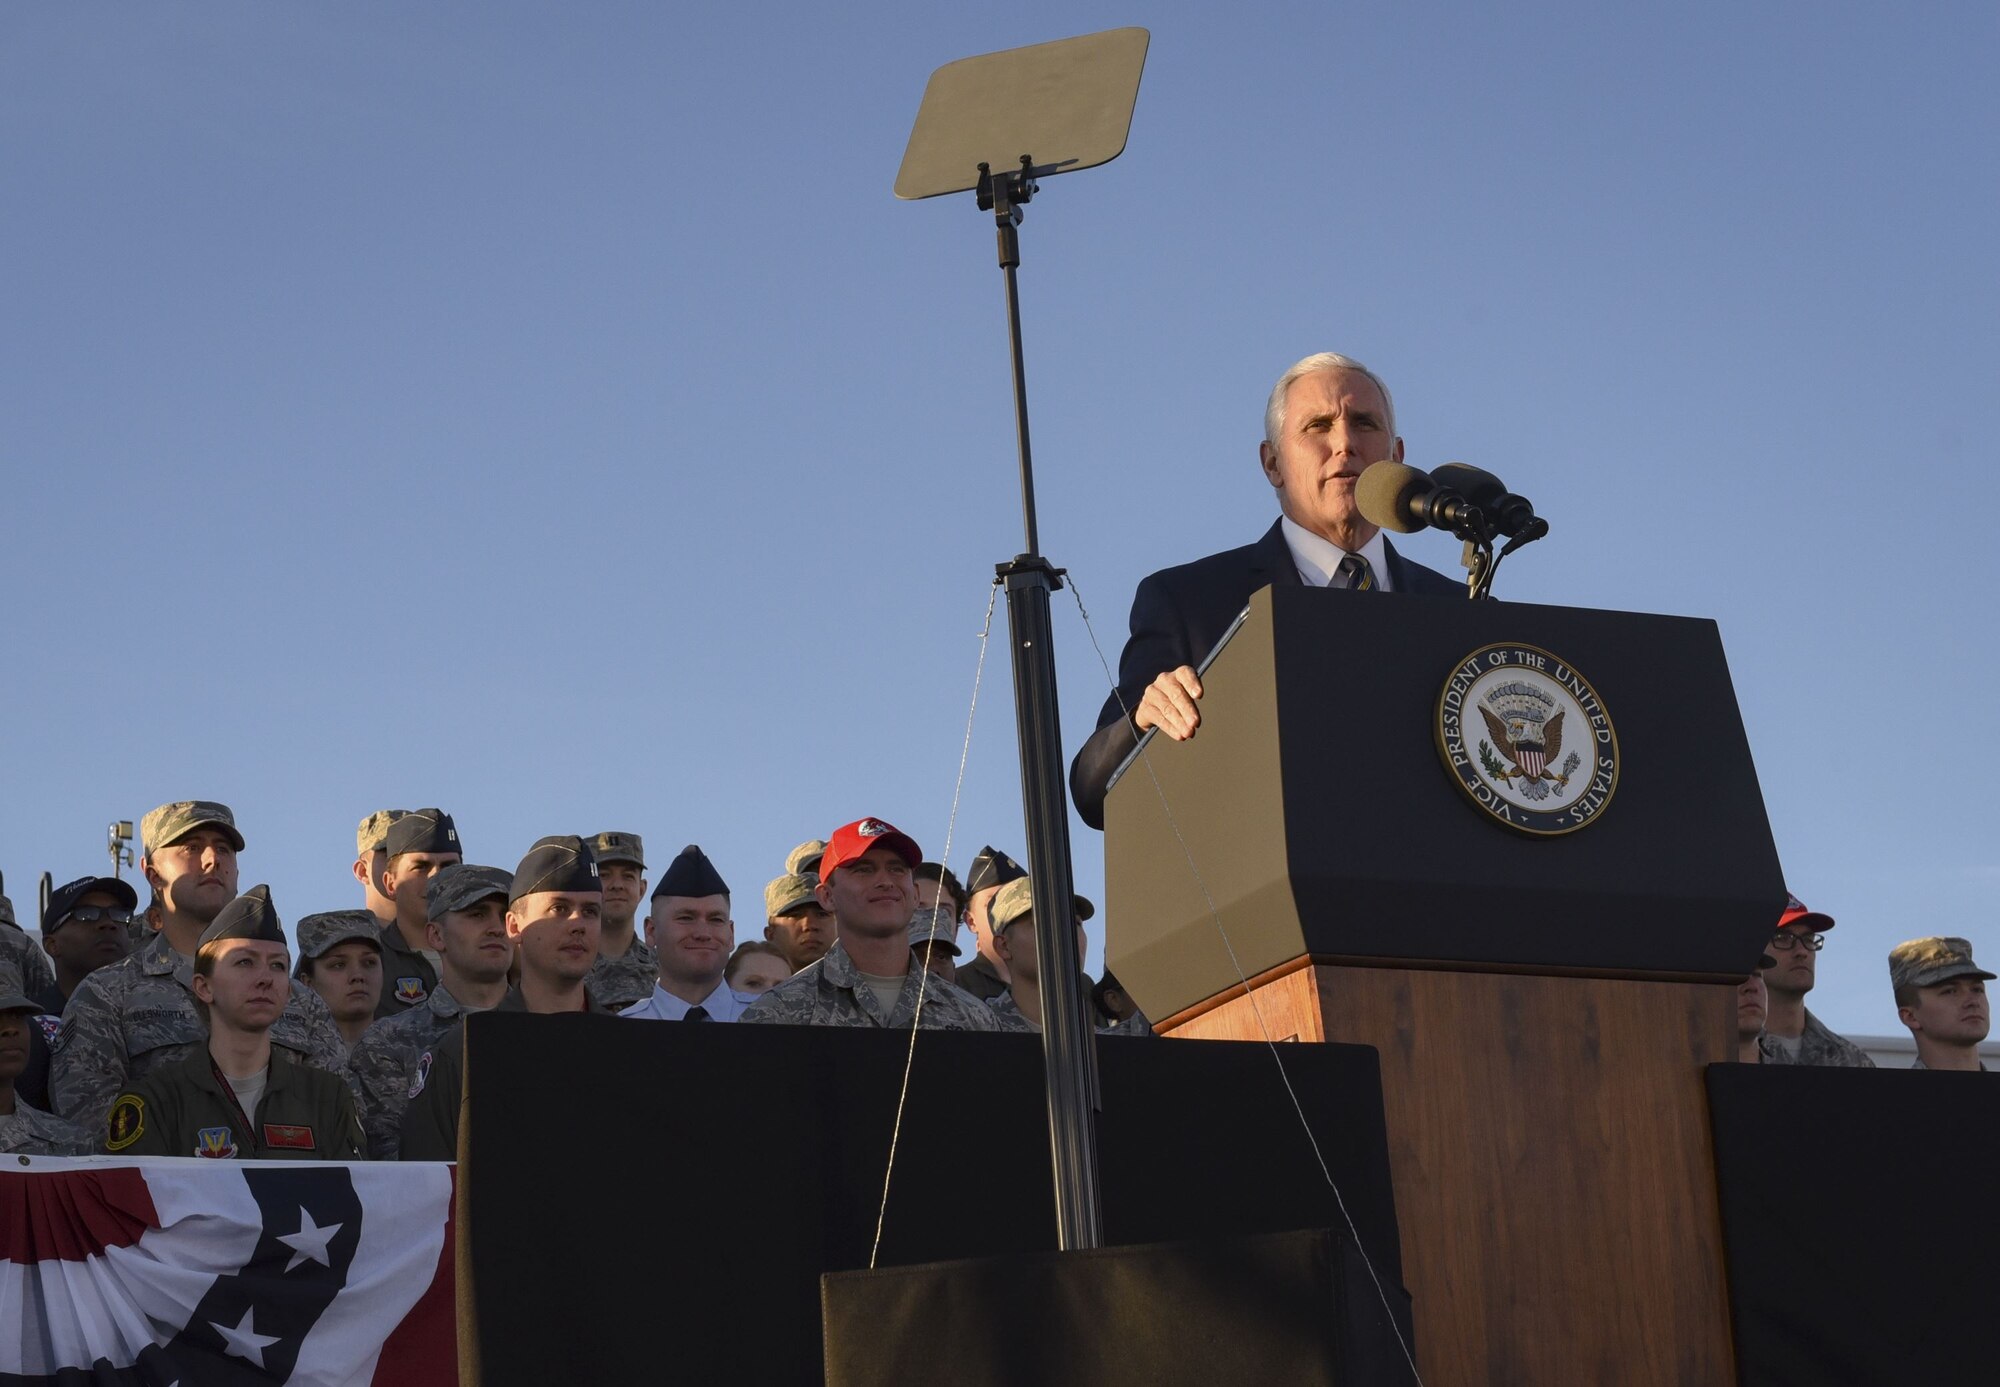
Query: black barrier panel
{"points": [[1270, 1309], [1860, 1232], [642, 1197]]}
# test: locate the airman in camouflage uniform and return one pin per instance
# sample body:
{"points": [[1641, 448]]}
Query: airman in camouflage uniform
{"points": [[1941, 996], [1795, 945], [385, 1060], [869, 887], [371, 858], [626, 965], [37, 973], [138, 1016], [24, 1128], [1013, 923]]}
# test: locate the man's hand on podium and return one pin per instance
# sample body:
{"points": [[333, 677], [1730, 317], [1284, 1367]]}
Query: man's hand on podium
{"points": [[1169, 704]]}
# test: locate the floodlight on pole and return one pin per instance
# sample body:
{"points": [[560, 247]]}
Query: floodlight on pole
{"points": [[119, 846]]}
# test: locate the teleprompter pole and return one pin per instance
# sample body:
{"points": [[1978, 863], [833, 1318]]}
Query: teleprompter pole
{"points": [[1069, 1054]]}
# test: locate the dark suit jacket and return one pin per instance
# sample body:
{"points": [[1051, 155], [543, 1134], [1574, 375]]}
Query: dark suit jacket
{"points": [[1178, 614]]}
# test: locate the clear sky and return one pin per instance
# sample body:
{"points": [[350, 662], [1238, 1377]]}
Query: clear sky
{"points": [[546, 411]]}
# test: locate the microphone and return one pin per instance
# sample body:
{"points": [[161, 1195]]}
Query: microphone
{"points": [[1400, 498], [1512, 515]]}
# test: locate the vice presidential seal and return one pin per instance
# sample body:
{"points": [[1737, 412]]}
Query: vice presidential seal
{"points": [[1527, 739]]}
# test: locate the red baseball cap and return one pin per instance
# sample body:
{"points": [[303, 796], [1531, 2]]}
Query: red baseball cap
{"points": [[848, 842], [1797, 914]]}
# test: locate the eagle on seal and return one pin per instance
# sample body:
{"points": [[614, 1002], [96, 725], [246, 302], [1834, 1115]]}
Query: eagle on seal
{"points": [[1532, 746]]}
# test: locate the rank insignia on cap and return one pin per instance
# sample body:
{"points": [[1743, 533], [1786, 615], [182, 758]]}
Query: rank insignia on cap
{"points": [[410, 991], [216, 1143], [422, 1076], [872, 828], [287, 1136], [127, 1122]]}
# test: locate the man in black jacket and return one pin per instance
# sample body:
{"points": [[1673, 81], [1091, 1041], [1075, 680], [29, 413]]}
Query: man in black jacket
{"points": [[1328, 418]]}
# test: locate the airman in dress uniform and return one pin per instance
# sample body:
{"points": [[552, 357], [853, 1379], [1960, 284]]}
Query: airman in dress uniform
{"points": [[25, 1129], [340, 958], [984, 975], [554, 904], [238, 1096], [420, 844], [132, 1019], [1941, 997], [693, 933], [867, 978], [468, 928], [626, 964]]}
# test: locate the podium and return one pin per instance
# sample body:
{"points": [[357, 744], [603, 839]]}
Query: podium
{"points": [[1544, 974]]}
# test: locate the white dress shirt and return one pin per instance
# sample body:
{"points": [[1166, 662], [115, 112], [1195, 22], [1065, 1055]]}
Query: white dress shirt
{"points": [[1318, 559], [721, 1005]]}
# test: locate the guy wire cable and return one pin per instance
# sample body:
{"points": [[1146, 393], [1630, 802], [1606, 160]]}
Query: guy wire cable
{"points": [[1229, 947], [951, 827]]}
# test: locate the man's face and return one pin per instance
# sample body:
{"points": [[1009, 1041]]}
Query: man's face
{"points": [[1952, 1012], [1336, 424], [1016, 944], [979, 917], [474, 942], [624, 888], [1794, 970], [936, 957], [406, 879], [557, 932], [14, 1044], [758, 973], [196, 875], [84, 946], [249, 984], [805, 934], [874, 895], [348, 978], [694, 936], [368, 871], [1750, 1006]]}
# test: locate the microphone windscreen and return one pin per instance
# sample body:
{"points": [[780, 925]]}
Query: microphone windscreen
{"points": [[1385, 491], [1480, 488]]}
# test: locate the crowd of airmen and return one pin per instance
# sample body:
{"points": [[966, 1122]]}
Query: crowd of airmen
{"points": [[190, 1028]]}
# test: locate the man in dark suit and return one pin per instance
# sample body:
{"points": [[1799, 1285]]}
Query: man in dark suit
{"points": [[1328, 418]]}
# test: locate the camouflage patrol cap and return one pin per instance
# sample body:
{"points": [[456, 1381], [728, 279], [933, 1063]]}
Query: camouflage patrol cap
{"points": [[318, 933], [1928, 962], [463, 885], [618, 847], [7, 913], [789, 894], [559, 863], [1016, 899], [12, 998], [422, 830], [935, 924], [374, 831], [170, 823], [803, 860], [250, 916]]}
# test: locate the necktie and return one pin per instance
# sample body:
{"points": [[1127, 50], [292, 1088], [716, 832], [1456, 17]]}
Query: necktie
{"points": [[1355, 575], [696, 1014]]}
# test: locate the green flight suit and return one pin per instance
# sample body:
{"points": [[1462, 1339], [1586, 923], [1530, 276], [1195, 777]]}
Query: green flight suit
{"points": [[186, 1109]]}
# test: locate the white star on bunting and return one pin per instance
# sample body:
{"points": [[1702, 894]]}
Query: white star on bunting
{"points": [[309, 1243], [244, 1341]]}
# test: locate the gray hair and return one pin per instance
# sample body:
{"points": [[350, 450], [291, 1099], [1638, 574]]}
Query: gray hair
{"points": [[1274, 408]]}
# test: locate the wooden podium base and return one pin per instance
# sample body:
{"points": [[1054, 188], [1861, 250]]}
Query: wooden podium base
{"points": [[1554, 1177]]}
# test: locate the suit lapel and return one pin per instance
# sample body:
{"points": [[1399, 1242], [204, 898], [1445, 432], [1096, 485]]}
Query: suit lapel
{"points": [[1271, 561]]}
